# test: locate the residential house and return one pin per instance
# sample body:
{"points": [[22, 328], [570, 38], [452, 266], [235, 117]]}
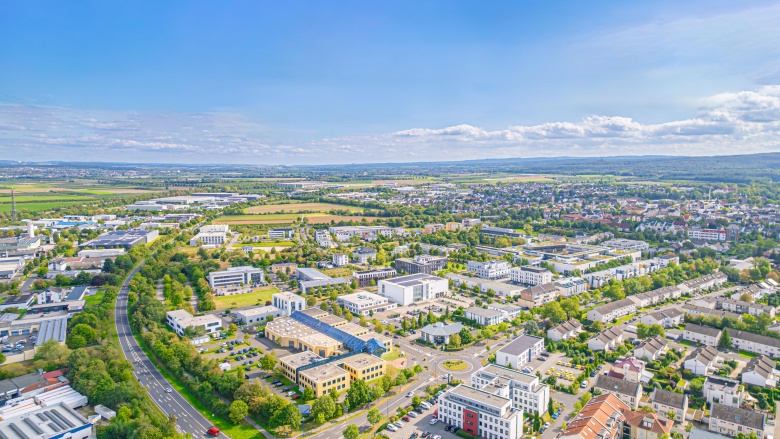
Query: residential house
{"points": [[722, 390], [702, 360], [760, 371], [627, 391], [667, 318], [652, 348], [669, 404], [565, 330], [732, 421], [606, 340], [701, 334], [611, 311]]}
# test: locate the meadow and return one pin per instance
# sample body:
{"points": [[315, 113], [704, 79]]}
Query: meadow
{"points": [[256, 297], [287, 218], [44, 197], [301, 207]]}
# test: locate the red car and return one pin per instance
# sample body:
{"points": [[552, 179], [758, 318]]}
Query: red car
{"points": [[405, 418], [296, 396], [214, 431]]}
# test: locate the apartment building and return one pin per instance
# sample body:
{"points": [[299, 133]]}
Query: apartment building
{"points": [[628, 392], [702, 334], [484, 317], [340, 260], [643, 425], [538, 295], [234, 276], [405, 290], [652, 348], [366, 233], [180, 320], [524, 390], [601, 418], [520, 351], [760, 371], [495, 269], [702, 360], [426, 264], [665, 403], [606, 340], [708, 234], [499, 232], [571, 286], [667, 318], [288, 302], [365, 277], [481, 414], [755, 343], [731, 421], [564, 331], [322, 238], [364, 255], [722, 390], [530, 275], [611, 311], [364, 303], [654, 297], [743, 307], [626, 244], [629, 369]]}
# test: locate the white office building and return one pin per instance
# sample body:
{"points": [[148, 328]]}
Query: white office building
{"points": [[525, 390], [180, 320], [364, 303], [234, 276], [288, 302], [340, 260], [405, 290], [481, 414], [489, 269], [531, 276], [484, 317], [520, 351], [257, 315]]}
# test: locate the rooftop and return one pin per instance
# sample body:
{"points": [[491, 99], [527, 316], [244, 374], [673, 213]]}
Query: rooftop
{"points": [[300, 359], [521, 344], [323, 373], [739, 416]]}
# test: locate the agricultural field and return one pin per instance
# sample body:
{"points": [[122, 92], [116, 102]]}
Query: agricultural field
{"points": [[301, 207], [501, 178], [45, 197], [256, 297], [288, 218]]}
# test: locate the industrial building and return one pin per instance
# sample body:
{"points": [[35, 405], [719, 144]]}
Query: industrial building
{"points": [[405, 290], [122, 238]]}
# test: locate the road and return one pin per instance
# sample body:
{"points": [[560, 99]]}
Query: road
{"points": [[188, 420]]}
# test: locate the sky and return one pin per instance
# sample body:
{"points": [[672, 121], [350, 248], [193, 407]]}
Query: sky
{"points": [[323, 82]]}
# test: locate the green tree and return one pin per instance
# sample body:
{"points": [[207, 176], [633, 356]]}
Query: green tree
{"points": [[324, 405], [288, 416], [358, 393], [454, 340], [725, 339], [351, 432], [238, 411], [268, 362], [308, 394], [550, 409], [416, 401], [374, 416], [465, 336]]}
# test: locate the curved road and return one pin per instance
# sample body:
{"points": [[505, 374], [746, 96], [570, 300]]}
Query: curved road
{"points": [[188, 420]]}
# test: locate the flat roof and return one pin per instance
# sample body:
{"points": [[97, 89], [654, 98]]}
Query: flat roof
{"points": [[258, 311], [322, 373], [46, 422], [300, 359], [319, 339], [488, 399], [363, 360], [413, 279]]}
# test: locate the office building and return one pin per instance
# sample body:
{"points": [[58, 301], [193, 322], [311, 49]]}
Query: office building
{"points": [[530, 275], [405, 290], [426, 264], [180, 320], [524, 390], [364, 303], [481, 414], [234, 276], [439, 332], [484, 317], [495, 269], [520, 351], [365, 277], [257, 315], [122, 238], [281, 233], [288, 302]]}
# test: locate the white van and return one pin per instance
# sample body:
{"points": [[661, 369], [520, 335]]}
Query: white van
{"points": [[425, 405]]}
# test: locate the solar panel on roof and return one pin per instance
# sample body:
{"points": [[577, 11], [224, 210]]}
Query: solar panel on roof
{"points": [[18, 431], [33, 425]]}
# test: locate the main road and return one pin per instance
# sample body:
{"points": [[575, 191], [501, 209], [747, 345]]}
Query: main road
{"points": [[188, 420]]}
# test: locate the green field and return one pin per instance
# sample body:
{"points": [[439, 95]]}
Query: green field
{"points": [[301, 207], [260, 295], [39, 207], [269, 244], [287, 218]]}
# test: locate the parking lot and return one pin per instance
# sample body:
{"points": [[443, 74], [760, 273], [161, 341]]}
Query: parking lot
{"points": [[419, 423], [18, 343]]}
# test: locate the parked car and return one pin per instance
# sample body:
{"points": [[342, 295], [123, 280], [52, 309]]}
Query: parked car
{"points": [[412, 414], [410, 394], [392, 427], [434, 420], [296, 396], [280, 384], [266, 376], [406, 418]]}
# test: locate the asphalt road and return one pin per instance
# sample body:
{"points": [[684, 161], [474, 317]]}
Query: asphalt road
{"points": [[188, 420]]}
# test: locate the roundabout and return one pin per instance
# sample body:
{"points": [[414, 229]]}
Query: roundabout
{"points": [[455, 366]]}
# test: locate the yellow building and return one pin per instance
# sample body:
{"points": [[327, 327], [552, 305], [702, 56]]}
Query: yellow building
{"points": [[321, 345], [323, 379], [332, 320], [291, 363], [351, 328], [364, 367], [314, 312]]}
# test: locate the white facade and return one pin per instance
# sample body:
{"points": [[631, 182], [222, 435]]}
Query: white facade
{"points": [[707, 234], [484, 317], [322, 237], [520, 351], [180, 320], [257, 315], [529, 275], [288, 302], [363, 303], [489, 270], [524, 390], [237, 276], [340, 260], [405, 290], [281, 233], [480, 413], [611, 311]]}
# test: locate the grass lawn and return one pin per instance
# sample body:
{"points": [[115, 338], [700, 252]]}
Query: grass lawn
{"points": [[301, 207], [747, 354], [392, 355], [268, 244], [455, 365], [95, 298], [286, 218], [237, 300], [40, 207], [687, 343]]}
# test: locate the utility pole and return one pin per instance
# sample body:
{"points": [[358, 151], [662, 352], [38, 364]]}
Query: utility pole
{"points": [[13, 205]]}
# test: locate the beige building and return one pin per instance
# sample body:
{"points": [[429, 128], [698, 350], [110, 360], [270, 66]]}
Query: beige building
{"points": [[322, 379], [364, 367]]}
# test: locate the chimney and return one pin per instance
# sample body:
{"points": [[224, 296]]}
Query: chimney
{"points": [[30, 230]]}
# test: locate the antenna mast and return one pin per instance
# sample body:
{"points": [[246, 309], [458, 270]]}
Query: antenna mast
{"points": [[13, 205]]}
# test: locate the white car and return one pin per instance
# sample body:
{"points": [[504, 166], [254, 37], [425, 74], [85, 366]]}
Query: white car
{"points": [[168, 390], [410, 394], [412, 414], [434, 420], [290, 393], [392, 427]]}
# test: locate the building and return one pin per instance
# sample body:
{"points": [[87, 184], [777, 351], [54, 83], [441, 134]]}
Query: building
{"points": [[629, 369], [702, 360], [55, 421], [499, 232], [755, 343], [520, 351], [480, 414], [426, 264], [628, 392], [701, 334], [643, 425], [601, 418], [211, 234], [538, 295], [760, 371], [257, 315], [405, 290], [324, 378], [281, 233], [501, 289], [510, 312], [364, 255], [732, 421], [289, 268], [612, 311], [564, 331], [708, 234], [22, 301], [606, 340], [122, 238], [340, 260], [288, 302], [494, 269], [666, 318], [652, 348], [439, 333], [654, 297], [180, 320], [322, 237], [364, 367], [626, 244], [9, 267], [667, 403], [571, 286], [722, 390], [234, 276], [365, 277], [530, 275], [484, 317], [308, 185], [364, 303], [525, 391], [365, 233], [743, 307]]}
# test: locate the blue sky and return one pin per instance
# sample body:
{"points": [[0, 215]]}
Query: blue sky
{"points": [[343, 82]]}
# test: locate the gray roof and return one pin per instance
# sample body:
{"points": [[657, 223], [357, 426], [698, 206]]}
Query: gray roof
{"points": [[671, 399], [704, 434], [755, 338], [520, 344], [736, 415], [720, 382], [487, 313], [762, 365], [608, 308], [442, 330], [412, 279], [653, 344], [52, 329], [705, 354], [704, 330], [615, 385]]}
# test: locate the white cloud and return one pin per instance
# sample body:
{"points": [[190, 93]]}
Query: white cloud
{"points": [[729, 123]]}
